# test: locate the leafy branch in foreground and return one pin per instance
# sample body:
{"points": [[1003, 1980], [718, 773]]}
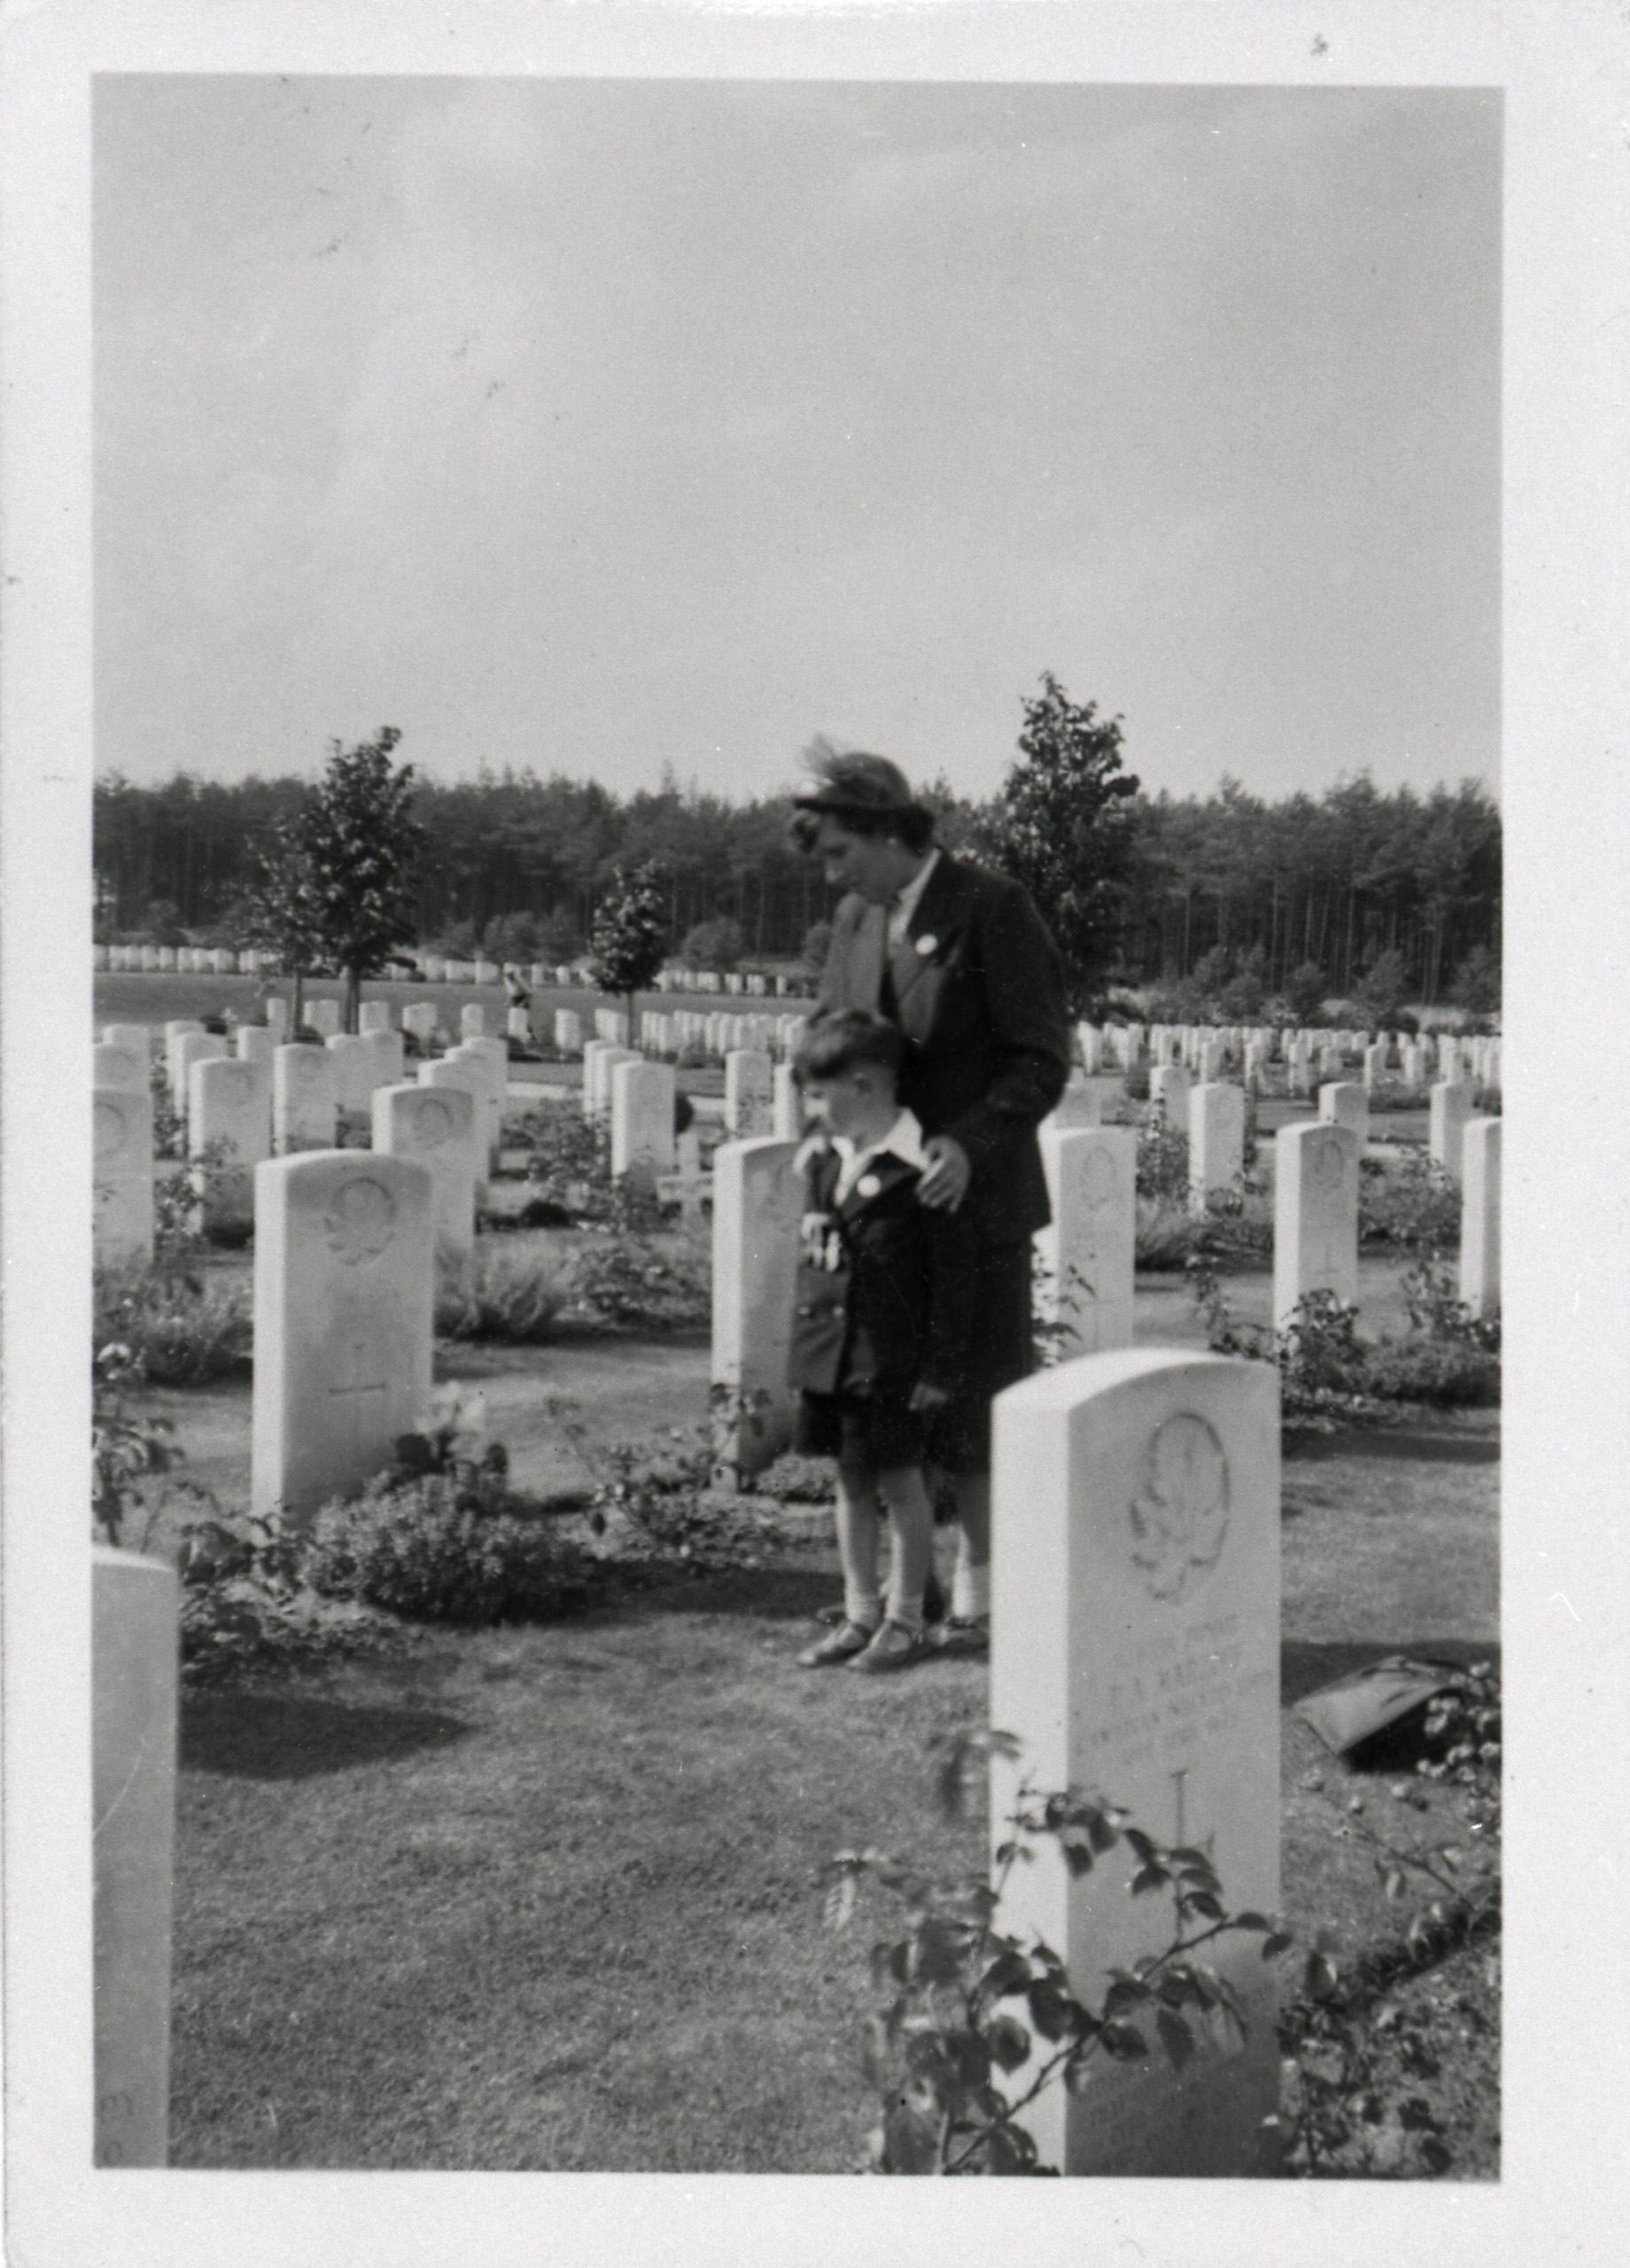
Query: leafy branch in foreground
{"points": [[970, 2007]]}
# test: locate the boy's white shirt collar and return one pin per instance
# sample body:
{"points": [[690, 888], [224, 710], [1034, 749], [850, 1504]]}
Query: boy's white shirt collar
{"points": [[903, 1140], [904, 906]]}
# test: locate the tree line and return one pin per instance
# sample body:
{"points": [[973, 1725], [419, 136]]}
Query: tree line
{"points": [[1322, 889]]}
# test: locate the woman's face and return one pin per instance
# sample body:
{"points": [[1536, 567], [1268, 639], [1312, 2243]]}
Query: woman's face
{"points": [[875, 866]]}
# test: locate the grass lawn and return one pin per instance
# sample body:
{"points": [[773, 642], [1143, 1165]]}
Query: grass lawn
{"points": [[547, 1897]]}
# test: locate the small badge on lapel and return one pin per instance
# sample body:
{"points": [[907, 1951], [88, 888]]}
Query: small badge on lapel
{"points": [[928, 944], [867, 1185]]}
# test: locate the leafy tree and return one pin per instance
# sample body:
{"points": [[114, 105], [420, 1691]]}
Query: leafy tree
{"points": [[1384, 985], [1304, 991], [363, 845], [1059, 826], [559, 938], [718, 944], [629, 939], [283, 910], [1477, 983], [511, 937]]}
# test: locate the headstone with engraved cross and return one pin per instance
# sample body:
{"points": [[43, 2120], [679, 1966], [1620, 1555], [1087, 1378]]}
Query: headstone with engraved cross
{"points": [[1135, 1654], [1315, 1214], [345, 1243], [1086, 1251]]}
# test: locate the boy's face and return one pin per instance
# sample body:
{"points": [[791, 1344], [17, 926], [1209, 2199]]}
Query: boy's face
{"points": [[852, 1103]]}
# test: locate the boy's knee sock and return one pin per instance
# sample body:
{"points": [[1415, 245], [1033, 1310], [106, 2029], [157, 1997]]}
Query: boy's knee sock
{"points": [[910, 1520], [857, 1515], [970, 1589]]}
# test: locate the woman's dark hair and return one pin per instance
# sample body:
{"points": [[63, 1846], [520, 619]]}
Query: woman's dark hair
{"points": [[914, 829], [834, 1045]]}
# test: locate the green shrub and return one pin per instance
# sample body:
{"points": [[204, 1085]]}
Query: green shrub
{"points": [[632, 1281], [1135, 1083], [1445, 1372], [181, 1327], [1393, 1094], [498, 1293], [1411, 1203], [794, 1479], [1162, 1159], [445, 1547]]}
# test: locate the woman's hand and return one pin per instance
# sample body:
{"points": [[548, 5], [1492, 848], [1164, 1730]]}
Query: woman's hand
{"points": [[944, 1185]]}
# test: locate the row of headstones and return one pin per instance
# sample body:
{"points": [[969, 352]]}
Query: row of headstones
{"points": [[1309, 1057], [271, 1099], [437, 968], [182, 960]]}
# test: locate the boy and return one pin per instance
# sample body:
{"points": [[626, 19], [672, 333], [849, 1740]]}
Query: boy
{"points": [[882, 1322]]}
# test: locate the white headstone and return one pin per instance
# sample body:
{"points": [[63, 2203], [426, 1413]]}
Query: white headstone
{"points": [[598, 1075], [351, 1059], [229, 1102], [787, 1109], [419, 1018], [277, 1013], [592, 1050], [757, 1205], [374, 1015], [1451, 1106], [1375, 1065], [1479, 1217], [435, 1125], [749, 1092], [1216, 1139], [692, 1181], [345, 1244], [134, 1036], [472, 1022], [1086, 1251], [518, 1025], [493, 1057], [1134, 1654], [568, 1030], [322, 1016], [385, 1057], [119, 1067], [463, 1072], [257, 1044], [1168, 1092], [135, 1675], [305, 1099], [1346, 1103], [1315, 1214], [190, 1048], [1091, 1044], [122, 1174], [641, 1120], [488, 972]]}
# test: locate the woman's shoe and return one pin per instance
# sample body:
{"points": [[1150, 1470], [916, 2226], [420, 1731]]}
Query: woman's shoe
{"points": [[964, 1634], [842, 1644], [895, 1646]]}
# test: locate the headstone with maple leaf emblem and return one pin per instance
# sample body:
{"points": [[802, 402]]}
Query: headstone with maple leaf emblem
{"points": [[1134, 1654]]}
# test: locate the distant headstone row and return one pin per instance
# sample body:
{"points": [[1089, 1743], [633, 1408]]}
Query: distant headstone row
{"points": [[439, 968], [1309, 1058]]}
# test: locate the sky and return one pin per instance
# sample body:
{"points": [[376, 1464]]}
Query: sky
{"points": [[613, 426]]}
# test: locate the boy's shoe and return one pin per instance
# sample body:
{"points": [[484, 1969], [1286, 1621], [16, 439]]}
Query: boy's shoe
{"points": [[935, 1605], [893, 1647], [964, 1634], [840, 1645]]}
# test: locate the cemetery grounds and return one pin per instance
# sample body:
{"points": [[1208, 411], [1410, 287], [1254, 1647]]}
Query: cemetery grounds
{"points": [[549, 1894]]}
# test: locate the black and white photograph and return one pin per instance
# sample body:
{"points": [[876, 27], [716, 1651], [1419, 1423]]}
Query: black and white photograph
{"points": [[770, 769]]}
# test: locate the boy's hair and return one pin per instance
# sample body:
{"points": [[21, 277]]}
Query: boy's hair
{"points": [[834, 1045]]}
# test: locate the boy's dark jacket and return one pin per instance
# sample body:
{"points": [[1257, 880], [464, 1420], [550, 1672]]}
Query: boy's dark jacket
{"points": [[979, 993], [885, 1288]]}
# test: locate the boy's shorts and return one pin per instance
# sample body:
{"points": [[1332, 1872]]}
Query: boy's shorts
{"points": [[877, 1431]]}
